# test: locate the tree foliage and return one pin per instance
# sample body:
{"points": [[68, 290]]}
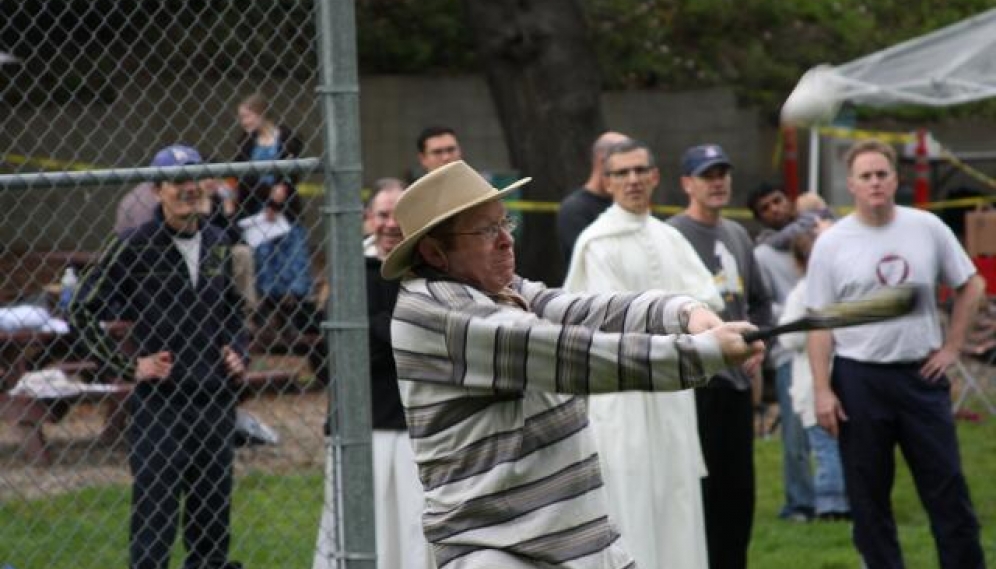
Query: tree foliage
{"points": [[759, 47], [414, 36], [544, 81]]}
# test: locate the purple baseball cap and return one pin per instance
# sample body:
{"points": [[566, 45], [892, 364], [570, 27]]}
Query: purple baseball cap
{"points": [[176, 155], [698, 159]]}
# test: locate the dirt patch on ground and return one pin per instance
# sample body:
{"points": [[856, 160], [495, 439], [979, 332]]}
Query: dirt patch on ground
{"points": [[83, 453]]}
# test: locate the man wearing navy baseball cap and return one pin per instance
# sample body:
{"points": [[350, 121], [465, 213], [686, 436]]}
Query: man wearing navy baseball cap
{"points": [[724, 406], [171, 277], [176, 155], [139, 205], [698, 159]]}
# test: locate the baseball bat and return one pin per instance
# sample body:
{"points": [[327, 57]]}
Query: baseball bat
{"points": [[876, 306]]}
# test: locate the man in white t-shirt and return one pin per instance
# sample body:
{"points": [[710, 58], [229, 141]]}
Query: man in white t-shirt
{"points": [[888, 385]]}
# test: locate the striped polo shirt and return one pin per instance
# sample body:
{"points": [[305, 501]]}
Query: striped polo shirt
{"points": [[493, 391]]}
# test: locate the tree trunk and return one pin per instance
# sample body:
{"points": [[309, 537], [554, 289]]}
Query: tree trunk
{"points": [[545, 83]]}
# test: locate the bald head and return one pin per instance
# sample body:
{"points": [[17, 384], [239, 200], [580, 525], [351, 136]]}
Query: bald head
{"points": [[603, 143]]}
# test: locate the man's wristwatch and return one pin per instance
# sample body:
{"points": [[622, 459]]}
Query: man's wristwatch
{"points": [[685, 313]]}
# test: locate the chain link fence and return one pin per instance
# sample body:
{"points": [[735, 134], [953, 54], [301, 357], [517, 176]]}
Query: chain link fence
{"points": [[105, 84]]}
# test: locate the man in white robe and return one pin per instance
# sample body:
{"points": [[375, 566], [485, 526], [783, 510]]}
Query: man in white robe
{"points": [[648, 443]]}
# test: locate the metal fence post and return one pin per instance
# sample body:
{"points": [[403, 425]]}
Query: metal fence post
{"points": [[350, 405]]}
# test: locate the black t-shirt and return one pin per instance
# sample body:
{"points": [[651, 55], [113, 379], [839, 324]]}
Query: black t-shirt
{"points": [[577, 211]]}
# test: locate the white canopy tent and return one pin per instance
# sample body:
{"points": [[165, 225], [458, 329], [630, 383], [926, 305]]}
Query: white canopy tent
{"points": [[950, 66]]}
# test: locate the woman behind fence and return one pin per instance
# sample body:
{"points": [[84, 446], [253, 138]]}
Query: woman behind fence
{"points": [[270, 223]]}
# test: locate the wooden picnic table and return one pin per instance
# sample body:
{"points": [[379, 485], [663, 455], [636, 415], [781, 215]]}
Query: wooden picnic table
{"points": [[18, 349], [23, 351]]}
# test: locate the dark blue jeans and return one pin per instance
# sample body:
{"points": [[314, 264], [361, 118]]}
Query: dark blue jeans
{"points": [[828, 479], [181, 458], [890, 404]]}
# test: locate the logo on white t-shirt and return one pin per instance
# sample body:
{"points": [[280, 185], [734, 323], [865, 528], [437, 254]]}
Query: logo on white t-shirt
{"points": [[728, 278], [892, 270]]}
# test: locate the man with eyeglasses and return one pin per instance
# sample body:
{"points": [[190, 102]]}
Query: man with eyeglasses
{"points": [[493, 370], [648, 443], [437, 146], [724, 406], [399, 500], [887, 382], [585, 204]]}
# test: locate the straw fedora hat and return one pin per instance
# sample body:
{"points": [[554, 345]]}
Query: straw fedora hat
{"points": [[431, 200]]}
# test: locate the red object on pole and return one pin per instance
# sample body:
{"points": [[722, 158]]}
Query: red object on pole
{"points": [[921, 166], [790, 162]]}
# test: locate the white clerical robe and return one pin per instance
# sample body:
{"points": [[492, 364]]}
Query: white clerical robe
{"points": [[648, 443]]}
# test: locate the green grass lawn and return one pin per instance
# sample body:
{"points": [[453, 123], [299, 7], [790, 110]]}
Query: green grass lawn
{"points": [[827, 545], [275, 520]]}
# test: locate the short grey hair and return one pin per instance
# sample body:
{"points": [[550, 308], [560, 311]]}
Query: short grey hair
{"points": [[383, 185], [625, 147]]}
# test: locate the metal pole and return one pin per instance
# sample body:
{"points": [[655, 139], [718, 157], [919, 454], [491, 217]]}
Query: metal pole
{"points": [[349, 408], [790, 161], [921, 184], [814, 161], [153, 174]]}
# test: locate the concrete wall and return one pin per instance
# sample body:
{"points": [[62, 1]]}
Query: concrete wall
{"points": [[671, 122], [393, 109]]}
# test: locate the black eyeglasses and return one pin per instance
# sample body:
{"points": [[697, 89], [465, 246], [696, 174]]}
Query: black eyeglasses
{"points": [[624, 173], [443, 151], [491, 232]]}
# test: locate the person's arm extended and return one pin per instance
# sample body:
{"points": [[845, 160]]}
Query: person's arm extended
{"points": [[97, 299], [967, 298], [505, 349], [651, 312], [828, 409]]}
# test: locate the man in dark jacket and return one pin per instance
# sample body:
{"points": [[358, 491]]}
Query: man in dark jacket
{"points": [[400, 499], [171, 278]]}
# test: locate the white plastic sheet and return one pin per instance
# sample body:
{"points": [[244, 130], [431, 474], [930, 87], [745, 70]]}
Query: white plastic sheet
{"points": [[950, 66]]}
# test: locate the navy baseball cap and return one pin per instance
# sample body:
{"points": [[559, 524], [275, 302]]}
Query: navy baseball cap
{"points": [[176, 155], [698, 159]]}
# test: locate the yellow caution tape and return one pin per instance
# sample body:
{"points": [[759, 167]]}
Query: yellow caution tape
{"points": [[907, 137], [972, 172], [312, 189], [524, 206], [857, 134], [46, 163], [960, 203]]}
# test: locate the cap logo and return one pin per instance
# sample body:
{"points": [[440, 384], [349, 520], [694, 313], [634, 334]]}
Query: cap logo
{"points": [[711, 152]]}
